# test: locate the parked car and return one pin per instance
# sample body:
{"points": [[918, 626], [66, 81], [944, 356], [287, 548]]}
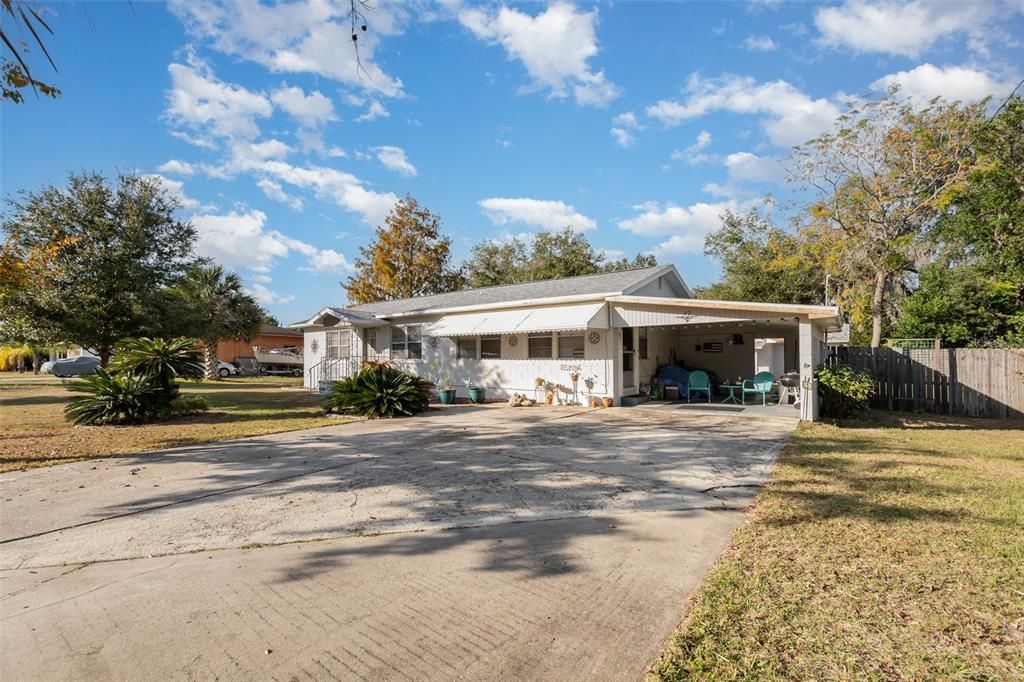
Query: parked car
{"points": [[226, 369], [69, 367], [46, 367]]}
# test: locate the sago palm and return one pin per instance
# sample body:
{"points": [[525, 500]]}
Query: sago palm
{"points": [[162, 360]]}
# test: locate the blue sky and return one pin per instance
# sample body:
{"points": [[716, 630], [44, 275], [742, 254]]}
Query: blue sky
{"points": [[636, 122]]}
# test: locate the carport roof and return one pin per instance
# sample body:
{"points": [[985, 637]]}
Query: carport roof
{"points": [[827, 315]]}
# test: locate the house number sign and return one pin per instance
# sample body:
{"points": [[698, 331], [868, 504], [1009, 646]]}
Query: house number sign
{"points": [[575, 369]]}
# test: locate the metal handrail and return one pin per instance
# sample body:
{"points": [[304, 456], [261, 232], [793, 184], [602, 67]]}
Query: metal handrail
{"points": [[334, 369]]}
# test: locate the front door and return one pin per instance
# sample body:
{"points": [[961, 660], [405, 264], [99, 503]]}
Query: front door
{"points": [[629, 386]]}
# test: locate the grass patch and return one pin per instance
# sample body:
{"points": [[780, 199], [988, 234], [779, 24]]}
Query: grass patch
{"points": [[892, 548], [35, 433]]}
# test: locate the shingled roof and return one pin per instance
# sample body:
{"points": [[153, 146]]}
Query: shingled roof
{"points": [[605, 283]]}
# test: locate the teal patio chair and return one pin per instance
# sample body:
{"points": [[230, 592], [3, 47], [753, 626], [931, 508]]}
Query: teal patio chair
{"points": [[698, 382], [761, 383]]}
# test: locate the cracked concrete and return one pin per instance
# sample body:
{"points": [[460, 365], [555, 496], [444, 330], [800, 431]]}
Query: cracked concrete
{"points": [[466, 543]]}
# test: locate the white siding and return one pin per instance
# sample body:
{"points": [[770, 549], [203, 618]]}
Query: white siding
{"points": [[309, 356], [663, 286]]}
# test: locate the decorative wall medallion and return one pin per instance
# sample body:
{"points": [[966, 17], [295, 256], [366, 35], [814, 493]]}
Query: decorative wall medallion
{"points": [[314, 346], [513, 340], [433, 342], [594, 337]]}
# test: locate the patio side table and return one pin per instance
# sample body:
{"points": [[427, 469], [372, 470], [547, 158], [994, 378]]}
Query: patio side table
{"points": [[735, 393]]}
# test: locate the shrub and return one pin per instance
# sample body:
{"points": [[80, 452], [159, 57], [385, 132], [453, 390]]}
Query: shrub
{"points": [[844, 391], [161, 360], [114, 398], [188, 404], [380, 391]]}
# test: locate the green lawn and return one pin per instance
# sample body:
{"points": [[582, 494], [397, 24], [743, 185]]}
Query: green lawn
{"points": [[34, 432], [889, 549]]}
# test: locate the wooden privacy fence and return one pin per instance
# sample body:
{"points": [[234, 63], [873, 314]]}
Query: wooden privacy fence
{"points": [[966, 382]]}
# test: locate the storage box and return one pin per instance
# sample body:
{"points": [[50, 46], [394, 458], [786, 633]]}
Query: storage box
{"points": [[671, 393]]}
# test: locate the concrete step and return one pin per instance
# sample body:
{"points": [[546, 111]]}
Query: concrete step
{"points": [[634, 400]]}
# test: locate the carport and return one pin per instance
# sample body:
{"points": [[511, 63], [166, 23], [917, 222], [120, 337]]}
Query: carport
{"points": [[730, 339]]}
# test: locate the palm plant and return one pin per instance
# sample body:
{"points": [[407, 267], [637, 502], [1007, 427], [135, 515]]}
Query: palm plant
{"points": [[114, 398], [380, 391], [217, 307], [162, 360]]}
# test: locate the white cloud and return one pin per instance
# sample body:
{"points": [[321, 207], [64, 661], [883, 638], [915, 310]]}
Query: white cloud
{"points": [[545, 214], [175, 189], [759, 43], [374, 111], [274, 191], [200, 141], [693, 154], [344, 189], [265, 296], [176, 167], [623, 126], [310, 110], [242, 240], [902, 28], [309, 36], [393, 158], [201, 101], [924, 82], [747, 167], [685, 226], [329, 261], [555, 47], [238, 240], [623, 137], [791, 116]]}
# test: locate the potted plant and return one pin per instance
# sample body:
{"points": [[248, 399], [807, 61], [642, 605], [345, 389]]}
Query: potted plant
{"points": [[477, 394], [538, 382], [608, 401], [443, 379]]}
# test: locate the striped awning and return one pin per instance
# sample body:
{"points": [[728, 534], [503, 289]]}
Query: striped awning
{"points": [[521, 320]]}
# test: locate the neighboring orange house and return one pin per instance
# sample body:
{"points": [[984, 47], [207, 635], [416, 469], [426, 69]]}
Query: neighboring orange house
{"points": [[240, 352]]}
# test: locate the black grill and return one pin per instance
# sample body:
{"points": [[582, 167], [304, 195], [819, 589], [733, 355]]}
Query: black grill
{"points": [[790, 380]]}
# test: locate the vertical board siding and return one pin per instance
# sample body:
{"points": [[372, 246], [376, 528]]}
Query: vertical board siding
{"points": [[964, 382]]}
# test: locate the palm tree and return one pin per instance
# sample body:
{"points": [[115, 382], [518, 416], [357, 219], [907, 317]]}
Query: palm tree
{"points": [[217, 307]]}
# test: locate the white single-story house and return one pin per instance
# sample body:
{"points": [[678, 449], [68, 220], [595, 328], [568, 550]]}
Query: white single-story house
{"points": [[612, 329]]}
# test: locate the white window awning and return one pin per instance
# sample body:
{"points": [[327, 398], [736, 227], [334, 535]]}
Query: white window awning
{"points": [[521, 320]]}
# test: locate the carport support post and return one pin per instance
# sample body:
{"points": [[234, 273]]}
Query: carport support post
{"points": [[810, 357]]}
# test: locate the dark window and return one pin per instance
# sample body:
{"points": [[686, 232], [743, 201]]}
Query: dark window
{"points": [[398, 343], [465, 349], [643, 342], [406, 342], [490, 347], [570, 347], [412, 332], [540, 347]]}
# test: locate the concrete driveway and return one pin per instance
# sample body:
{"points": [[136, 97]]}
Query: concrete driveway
{"points": [[468, 543]]}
